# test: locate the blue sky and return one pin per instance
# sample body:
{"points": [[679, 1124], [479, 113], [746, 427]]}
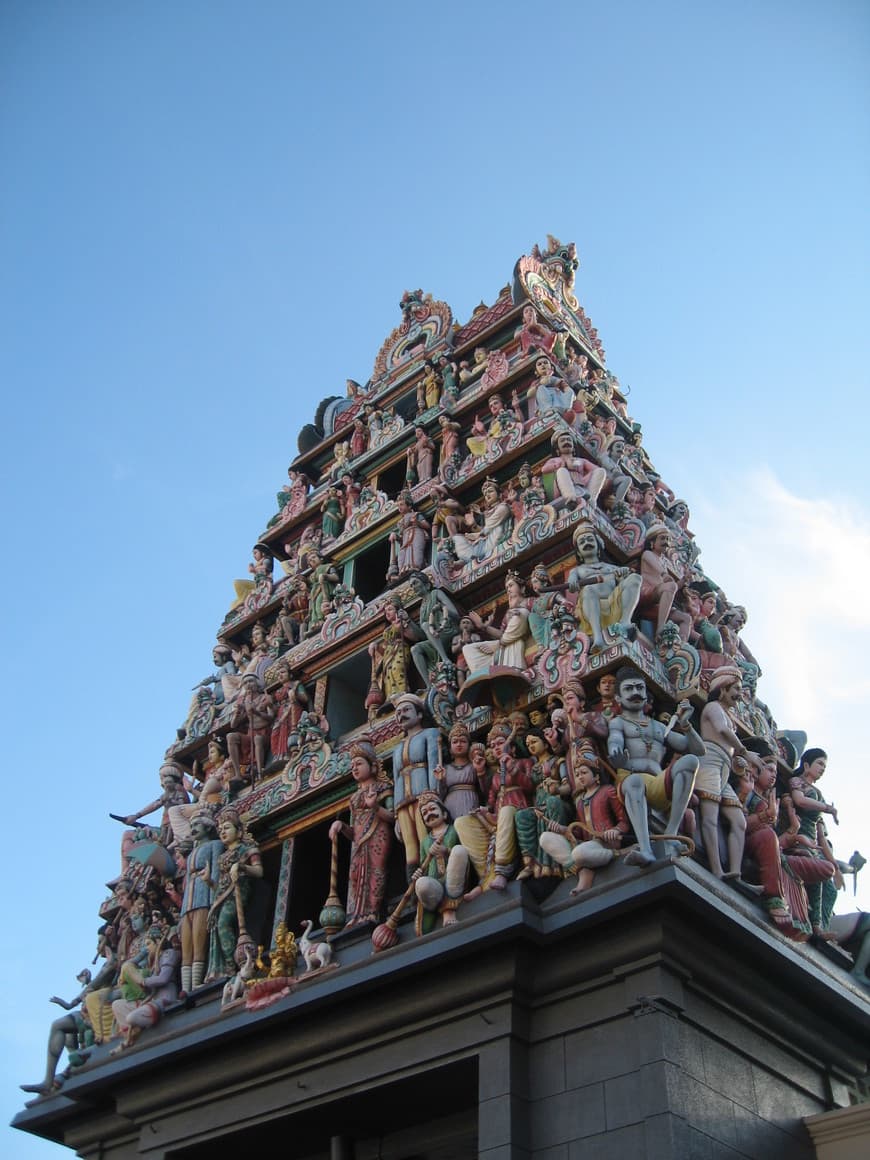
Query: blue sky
{"points": [[208, 214]]}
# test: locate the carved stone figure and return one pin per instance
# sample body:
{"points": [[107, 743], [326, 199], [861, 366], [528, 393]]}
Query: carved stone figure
{"points": [[239, 866], [636, 745], [460, 785], [409, 541], [506, 644], [576, 478], [496, 525], [370, 832], [415, 759], [200, 885], [553, 396], [486, 440], [438, 619], [608, 592], [534, 334], [489, 833], [722, 750], [441, 885], [601, 826], [660, 582], [251, 725]]}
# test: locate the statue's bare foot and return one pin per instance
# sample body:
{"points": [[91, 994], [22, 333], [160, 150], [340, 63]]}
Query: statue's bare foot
{"points": [[638, 857], [498, 883], [37, 1089], [525, 873], [470, 895], [824, 935], [579, 890], [781, 917], [448, 918]]}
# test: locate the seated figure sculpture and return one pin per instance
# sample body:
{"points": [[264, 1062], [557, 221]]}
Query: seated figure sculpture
{"points": [[636, 745], [497, 522], [553, 396], [608, 592], [576, 477]]}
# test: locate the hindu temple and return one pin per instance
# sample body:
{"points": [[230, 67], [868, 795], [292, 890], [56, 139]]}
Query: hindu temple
{"points": [[475, 837]]}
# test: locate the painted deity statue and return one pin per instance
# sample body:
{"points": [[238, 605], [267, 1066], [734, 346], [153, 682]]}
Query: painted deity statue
{"points": [[410, 539], [636, 745], [200, 884], [415, 759], [460, 784], [370, 831], [601, 826], [438, 619], [576, 477], [552, 804], [723, 750], [489, 833], [390, 653], [439, 882], [608, 592], [239, 867], [482, 542], [505, 645]]}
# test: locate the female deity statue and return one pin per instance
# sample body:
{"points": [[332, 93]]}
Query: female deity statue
{"points": [[261, 571], [323, 580], [291, 699], [812, 837], [370, 832], [409, 539], [552, 804], [421, 457], [391, 653], [507, 644], [332, 514], [461, 786], [239, 865]]}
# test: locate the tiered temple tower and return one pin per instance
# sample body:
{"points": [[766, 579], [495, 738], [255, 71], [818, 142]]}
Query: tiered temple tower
{"points": [[477, 840]]}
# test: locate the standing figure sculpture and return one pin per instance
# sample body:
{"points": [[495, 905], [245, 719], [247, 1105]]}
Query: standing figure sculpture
{"points": [[414, 762], [370, 832], [239, 866], [723, 750], [810, 805], [409, 540], [460, 785], [251, 725], [200, 884], [637, 744]]}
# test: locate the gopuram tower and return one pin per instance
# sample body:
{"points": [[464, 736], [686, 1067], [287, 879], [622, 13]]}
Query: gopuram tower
{"points": [[476, 840]]}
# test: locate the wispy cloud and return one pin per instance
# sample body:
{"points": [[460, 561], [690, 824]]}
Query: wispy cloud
{"points": [[800, 565]]}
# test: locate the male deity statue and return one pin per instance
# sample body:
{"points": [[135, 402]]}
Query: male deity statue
{"points": [[608, 592], [438, 618], [636, 745], [576, 477], [722, 749], [200, 883], [251, 723], [441, 886], [414, 762]]}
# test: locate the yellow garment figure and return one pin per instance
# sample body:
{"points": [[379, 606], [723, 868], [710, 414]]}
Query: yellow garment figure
{"points": [[656, 784], [611, 611]]}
